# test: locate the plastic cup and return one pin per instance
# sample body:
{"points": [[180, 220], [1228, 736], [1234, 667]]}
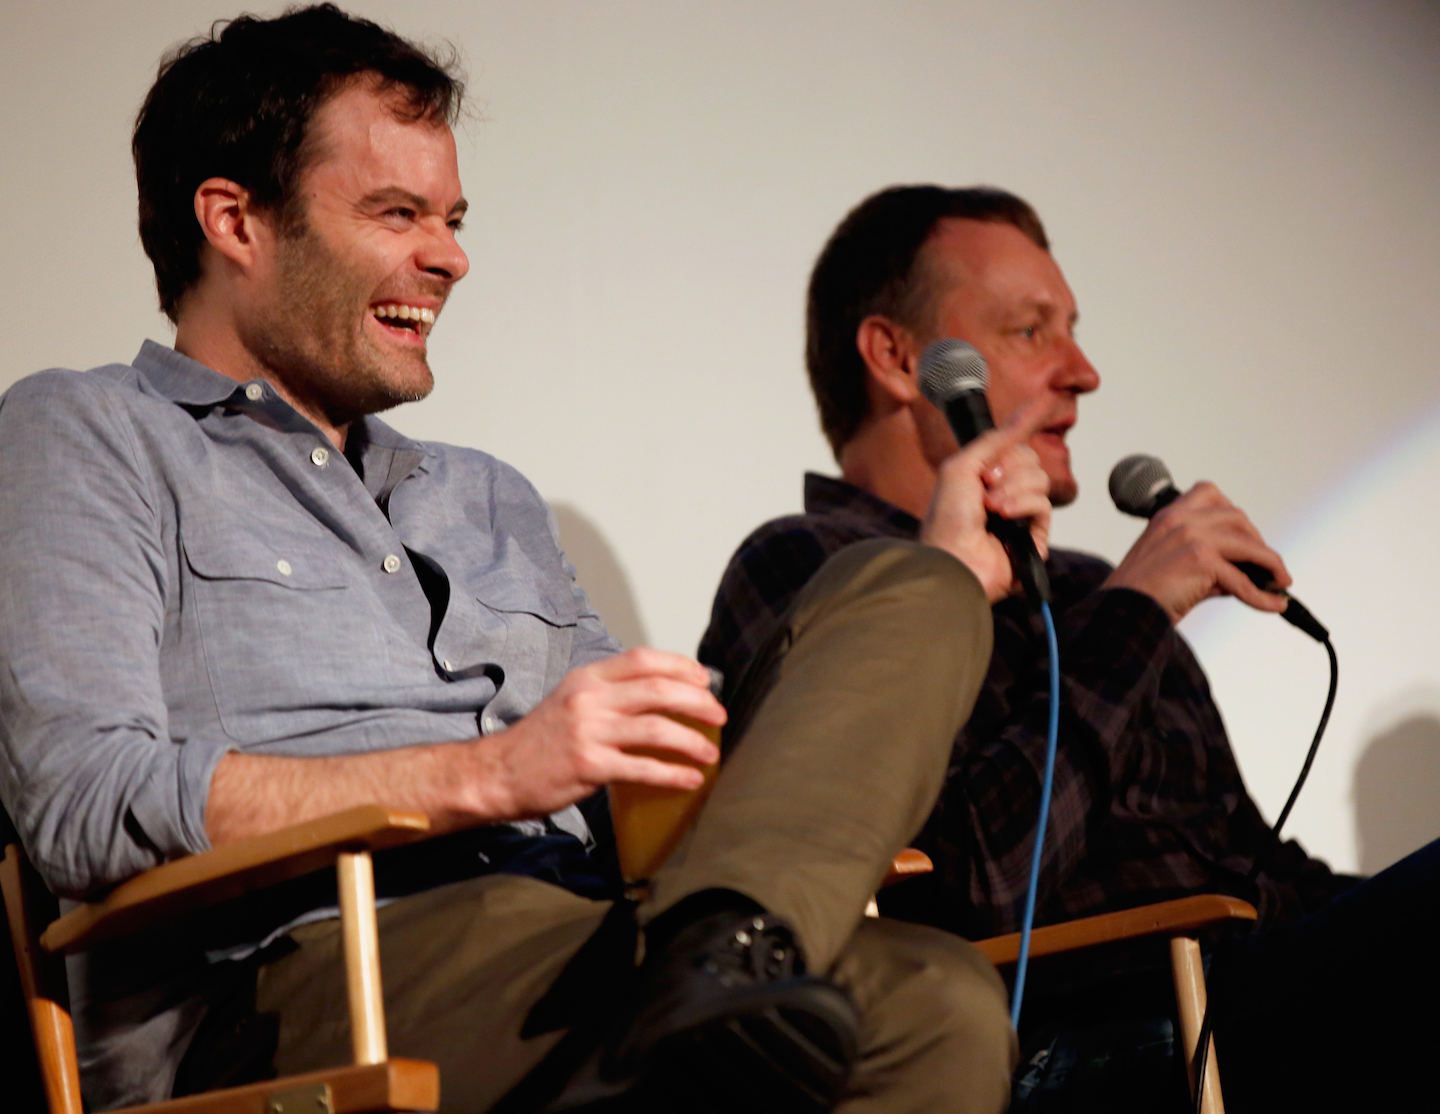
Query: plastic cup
{"points": [[648, 820]]}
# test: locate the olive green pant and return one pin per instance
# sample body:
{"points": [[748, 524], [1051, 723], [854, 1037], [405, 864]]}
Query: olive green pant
{"points": [[848, 717]]}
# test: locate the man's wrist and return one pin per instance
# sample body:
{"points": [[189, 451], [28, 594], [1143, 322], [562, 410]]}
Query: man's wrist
{"points": [[471, 784]]}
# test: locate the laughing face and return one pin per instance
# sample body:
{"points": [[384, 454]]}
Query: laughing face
{"points": [[355, 289], [1006, 296]]}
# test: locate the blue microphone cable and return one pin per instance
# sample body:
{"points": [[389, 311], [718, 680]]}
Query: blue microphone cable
{"points": [[1046, 784]]}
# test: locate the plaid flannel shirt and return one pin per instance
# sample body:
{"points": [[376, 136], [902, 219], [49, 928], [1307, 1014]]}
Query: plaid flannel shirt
{"points": [[1148, 800]]}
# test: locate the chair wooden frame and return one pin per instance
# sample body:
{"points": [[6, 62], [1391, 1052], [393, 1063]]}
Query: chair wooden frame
{"points": [[373, 1083], [1181, 921]]}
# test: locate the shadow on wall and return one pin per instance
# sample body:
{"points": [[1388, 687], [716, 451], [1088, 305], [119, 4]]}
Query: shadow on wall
{"points": [[1397, 787], [600, 574]]}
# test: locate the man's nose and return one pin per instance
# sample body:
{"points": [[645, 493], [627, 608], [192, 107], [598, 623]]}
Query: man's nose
{"points": [[442, 255], [1074, 372]]}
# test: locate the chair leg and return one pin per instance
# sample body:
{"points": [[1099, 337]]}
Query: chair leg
{"points": [[1189, 972], [356, 874], [42, 979]]}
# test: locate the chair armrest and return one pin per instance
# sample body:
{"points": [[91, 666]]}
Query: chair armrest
{"points": [[1182, 917], [907, 864], [229, 871]]}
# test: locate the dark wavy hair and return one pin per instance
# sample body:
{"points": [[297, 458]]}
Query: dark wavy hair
{"points": [[239, 103], [872, 265]]}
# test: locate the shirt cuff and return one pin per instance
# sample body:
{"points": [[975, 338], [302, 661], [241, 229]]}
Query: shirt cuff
{"points": [[170, 806]]}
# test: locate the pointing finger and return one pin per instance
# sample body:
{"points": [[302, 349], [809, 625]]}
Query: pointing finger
{"points": [[1030, 420]]}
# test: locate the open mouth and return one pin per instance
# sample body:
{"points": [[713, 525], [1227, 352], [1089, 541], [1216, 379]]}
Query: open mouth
{"points": [[412, 320]]}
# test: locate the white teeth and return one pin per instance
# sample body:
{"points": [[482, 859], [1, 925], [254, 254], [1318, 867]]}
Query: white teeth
{"points": [[405, 313]]}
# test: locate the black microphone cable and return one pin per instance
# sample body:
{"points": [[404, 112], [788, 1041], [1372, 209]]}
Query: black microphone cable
{"points": [[1202, 1050], [1142, 486]]}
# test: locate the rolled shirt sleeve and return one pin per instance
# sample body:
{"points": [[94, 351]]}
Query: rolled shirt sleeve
{"points": [[92, 778]]}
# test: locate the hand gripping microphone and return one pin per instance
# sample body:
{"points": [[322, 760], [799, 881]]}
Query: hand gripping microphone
{"points": [[1141, 485], [952, 375]]}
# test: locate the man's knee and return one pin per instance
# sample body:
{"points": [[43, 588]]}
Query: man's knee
{"points": [[934, 590], [937, 1032], [951, 983]]}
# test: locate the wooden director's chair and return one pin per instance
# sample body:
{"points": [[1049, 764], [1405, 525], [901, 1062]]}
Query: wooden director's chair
{"points": [[373, 1083], [1181, 921]]}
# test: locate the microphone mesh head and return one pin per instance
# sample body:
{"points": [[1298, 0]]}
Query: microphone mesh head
{"points": [[949, 368], [1136, 481]]}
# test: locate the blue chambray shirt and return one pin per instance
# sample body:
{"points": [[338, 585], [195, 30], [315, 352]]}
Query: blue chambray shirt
{"points": [[190, 568]]}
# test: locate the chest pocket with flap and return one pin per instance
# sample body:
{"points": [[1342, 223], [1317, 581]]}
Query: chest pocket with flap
{"points": [[538, 612], [288, 643]]}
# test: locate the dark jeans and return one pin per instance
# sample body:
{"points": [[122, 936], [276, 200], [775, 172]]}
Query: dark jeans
{"points": [[1335, 1011], [1101, 1041], [1339, 1009]]}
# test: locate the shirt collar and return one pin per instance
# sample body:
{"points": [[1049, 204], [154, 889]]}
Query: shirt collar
{"points": [[829, 495], [181, 379], [388, 455]]}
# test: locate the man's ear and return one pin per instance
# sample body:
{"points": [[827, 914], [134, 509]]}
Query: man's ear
{"points": [[230, 221], [890, 352]]}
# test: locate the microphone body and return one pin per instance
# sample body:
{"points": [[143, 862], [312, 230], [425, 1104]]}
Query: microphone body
{"points": [[1141, 486], [953, 375]]}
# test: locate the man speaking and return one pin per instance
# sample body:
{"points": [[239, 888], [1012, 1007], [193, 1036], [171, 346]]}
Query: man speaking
{"points": [[235, 601], [1148, 800]]}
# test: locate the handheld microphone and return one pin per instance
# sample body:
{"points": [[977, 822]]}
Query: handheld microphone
{"points": [[1141, 485], [952, 375]]}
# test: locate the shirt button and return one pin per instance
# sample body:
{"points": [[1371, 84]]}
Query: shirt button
{"points": [[282, 566], [254, 392], [319, 457], [391, 563], [489, 724]]}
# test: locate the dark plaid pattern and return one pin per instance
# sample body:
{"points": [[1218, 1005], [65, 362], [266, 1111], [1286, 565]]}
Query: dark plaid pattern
{"points": [[1148, 801]]}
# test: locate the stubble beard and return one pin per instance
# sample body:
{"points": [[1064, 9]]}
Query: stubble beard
{"points": [[313, 338], [1063, 486]]}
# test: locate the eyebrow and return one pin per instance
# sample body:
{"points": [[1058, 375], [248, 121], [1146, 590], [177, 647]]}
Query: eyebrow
{"points": [[392, 194], [1049, 308]]}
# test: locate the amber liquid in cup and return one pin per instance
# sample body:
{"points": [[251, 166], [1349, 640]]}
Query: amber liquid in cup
{"points": [[649, 821]]}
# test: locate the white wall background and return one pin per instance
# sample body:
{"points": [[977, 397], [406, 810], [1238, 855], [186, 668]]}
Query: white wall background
{"points": [[1243, 194]]}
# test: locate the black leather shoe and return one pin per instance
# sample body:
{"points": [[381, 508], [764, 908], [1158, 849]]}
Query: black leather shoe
{"points": [[725, 1020]]}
